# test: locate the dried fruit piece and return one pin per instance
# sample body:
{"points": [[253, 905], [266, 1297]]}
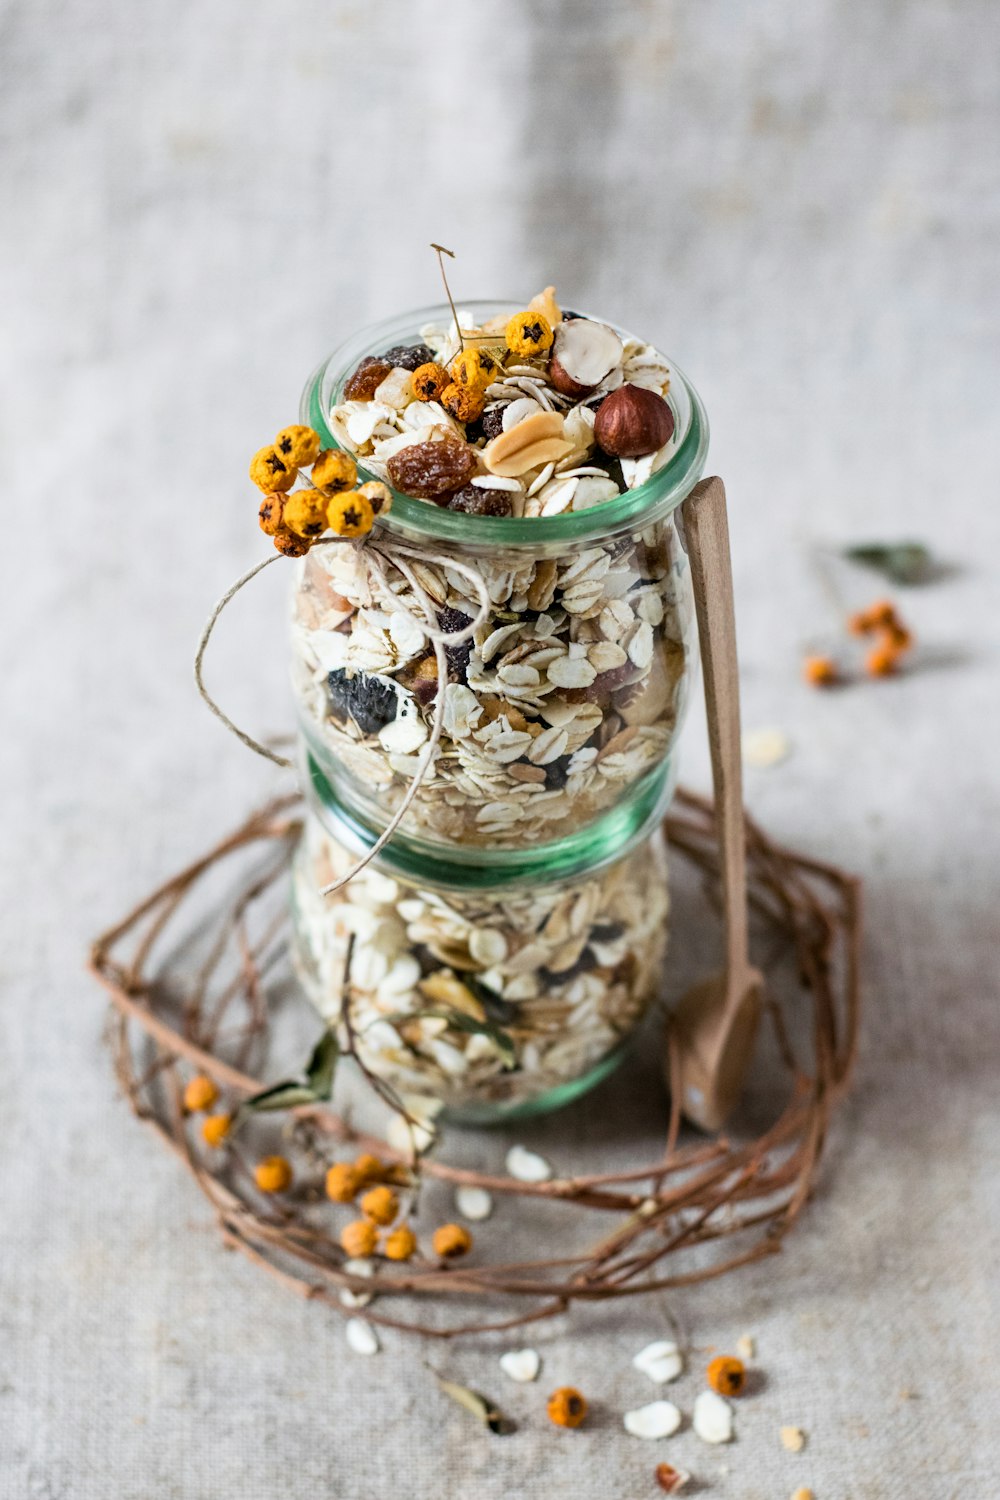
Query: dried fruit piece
{"points": [[583, 353], [527, 445], [215, 1128], [269, 471], [350, 514], [269, 514], [820, 671], [432, 470], [451, 1240], [273, 1174], [726, 1375], [473, 500], [670, 1480], [363, 382], [882, 661], [342, 1182], [334, 471], [429, 381], [408, 356], [400, 1244], [464, 402], [288, 543], [451, 622], [298, 445], [475, 368], [370, 1168], [380, 1204], [200, 1093], [633, 421], [566, 1407], [359, 1238], [305, 513], [528, 333], [371, 703], [492, 422]]}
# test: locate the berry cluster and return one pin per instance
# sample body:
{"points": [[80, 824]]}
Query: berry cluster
{"points": [[328, 502]]}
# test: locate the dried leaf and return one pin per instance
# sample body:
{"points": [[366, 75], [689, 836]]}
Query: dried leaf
{"points": [[480, 1406], [315, 1088], [901, 562]]}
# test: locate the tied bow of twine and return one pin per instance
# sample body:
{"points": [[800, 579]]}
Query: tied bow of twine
{"points": [[380, 554]]}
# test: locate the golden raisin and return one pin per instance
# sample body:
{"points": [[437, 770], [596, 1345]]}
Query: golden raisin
{"points": [[269, 471], [273, 1174], [298, 445], [291, 545], [400, 1244], [366, 379], [200, 1093], [342, 1182], [350, 514], [334, 470], [215, 1128], [451, 1240], [359, 1238], [380, 1204], [727, 1375], [429, 381], [475, 368], [464, 402], [269, 515], [432, 470], [305, 513], [378, 495], [820, 671], [528, 333], [566, 1407]]}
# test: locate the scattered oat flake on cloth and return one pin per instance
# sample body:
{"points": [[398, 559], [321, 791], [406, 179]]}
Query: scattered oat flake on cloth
{"points": [[713, 1418], [745, 1347], [661, 1361], [802, 1493], [660, 1419], [362, 1337], [521, 1364], [473, 1203], [357, 1268], [793, 1439], [527, 1166], [763, 748]]}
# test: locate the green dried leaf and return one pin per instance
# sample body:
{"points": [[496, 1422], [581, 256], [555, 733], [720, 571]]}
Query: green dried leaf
{"points": [[480, 1406], [315, 1088], [901, 562], [323, 1064]]}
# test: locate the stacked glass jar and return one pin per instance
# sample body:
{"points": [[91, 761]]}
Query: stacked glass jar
{"points": [[509, 937]]}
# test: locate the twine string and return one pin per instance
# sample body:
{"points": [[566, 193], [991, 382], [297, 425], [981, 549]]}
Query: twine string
{"points": [[378, 554]]}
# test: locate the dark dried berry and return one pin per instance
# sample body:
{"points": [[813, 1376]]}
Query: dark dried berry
{"points": [[366, 700], [570, 317], [611, 466], [432, 470], [366, 379], [409, 356], [451, 621], [556, 773], [607, 932], [475, 501], [492, 423], [474, 431]]}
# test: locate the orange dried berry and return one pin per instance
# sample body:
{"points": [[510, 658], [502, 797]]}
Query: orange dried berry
{"points": [[305, 513], [200, 1093], [378, 495], [882, 614], [859, 624], [566, 1407], [298, 445], [400, 1244], [350, 514], [820, 671], [334, 471], [727, 1375], [451, 1240], [359, 1238], [464, 402], [290, 543], [528, 333], [270, 513], [475, 368], [882, 661], [899, 637], [273, 1174], [215, 1128], [342, 1182], [269, 471], [380, 1204], [429, 381], [369, 1168]]}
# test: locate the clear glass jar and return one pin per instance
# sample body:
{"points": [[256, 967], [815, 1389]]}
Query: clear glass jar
{"points": [[572, 695], [496, 989]]}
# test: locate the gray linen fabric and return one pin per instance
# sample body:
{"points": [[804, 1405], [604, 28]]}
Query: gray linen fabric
{"points": [[799, 202]]}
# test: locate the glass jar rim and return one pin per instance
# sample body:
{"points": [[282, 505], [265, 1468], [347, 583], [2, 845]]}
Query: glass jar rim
{"points": [[617, 834], [636, 508]]}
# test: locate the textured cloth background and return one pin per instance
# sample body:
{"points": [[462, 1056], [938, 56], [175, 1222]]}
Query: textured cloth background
{"points": [[798, 202]]}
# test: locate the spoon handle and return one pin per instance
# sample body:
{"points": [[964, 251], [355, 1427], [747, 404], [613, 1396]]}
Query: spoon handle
{"points": [[707, 534]]}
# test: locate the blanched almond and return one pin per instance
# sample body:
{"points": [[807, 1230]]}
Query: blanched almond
{"points": [[534, 441]]}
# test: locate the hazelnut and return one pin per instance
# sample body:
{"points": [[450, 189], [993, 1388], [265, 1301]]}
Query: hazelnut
{"points": [[633, 421], [583, 353]]}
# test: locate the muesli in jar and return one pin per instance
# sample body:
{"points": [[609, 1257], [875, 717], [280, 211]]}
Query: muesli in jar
{"points": [[574, 685], [481, 999]]}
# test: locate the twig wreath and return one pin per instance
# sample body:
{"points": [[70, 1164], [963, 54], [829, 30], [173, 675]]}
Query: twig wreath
{"points": [[731, 1202]]}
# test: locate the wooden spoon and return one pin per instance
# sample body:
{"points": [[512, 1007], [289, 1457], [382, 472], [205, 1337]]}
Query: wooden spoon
{"points": [[715, 1022]]}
